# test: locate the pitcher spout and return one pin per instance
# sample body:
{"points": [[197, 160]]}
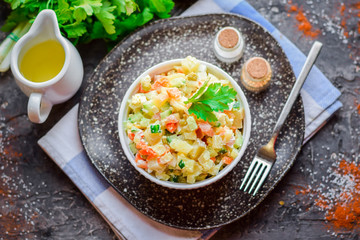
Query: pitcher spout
{"points": [[45, 26]]}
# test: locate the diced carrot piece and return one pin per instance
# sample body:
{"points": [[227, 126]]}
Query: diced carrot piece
{"points": [[171, 119], [148, 152], [161, 82], [171, 123], [174, 93], [199, 133], [180, 70], [138, 157], [221, 130], [230, 114], [171, 127], [213, 159], [141, 145], [206, 128], [227, 160], [142, 164], [131, 135]]}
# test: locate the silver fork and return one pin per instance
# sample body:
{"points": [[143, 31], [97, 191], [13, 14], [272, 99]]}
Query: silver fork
{"points": [[266, 155]]}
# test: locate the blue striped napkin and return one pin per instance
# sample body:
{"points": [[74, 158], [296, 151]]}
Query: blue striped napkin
{"points": [[62, 143]]}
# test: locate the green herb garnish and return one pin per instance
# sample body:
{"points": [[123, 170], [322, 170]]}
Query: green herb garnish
{"points": [[181, 164], [168, 139], [206, 100]]}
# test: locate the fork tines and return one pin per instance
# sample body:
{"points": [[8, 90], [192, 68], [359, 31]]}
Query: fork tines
{"points": [[256, 174]]}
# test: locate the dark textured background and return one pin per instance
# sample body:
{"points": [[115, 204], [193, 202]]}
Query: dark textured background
{"points": [[38, 201]]}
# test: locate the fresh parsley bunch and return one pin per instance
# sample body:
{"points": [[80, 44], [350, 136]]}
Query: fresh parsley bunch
{"points": [[84, 20]]}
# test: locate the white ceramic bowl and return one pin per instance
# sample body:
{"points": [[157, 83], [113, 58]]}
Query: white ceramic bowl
{"points": [[125, 141]]}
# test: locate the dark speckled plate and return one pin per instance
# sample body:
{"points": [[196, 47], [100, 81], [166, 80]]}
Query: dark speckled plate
{"points": [[221, 202]]}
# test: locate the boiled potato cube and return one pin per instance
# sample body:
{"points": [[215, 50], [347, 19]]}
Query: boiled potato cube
{"points": [[154, 165], [181, 146], [190, 64], [167, 158], [152, 138], [162, 176], [160, 100], [208, 165], [217, 142], [178, 105], [159, 148], [190, 135], [191, 123], [234, 153], [198, 148], [239, 118], [212, 151], [204, 157], [227, 134], [215, 169]]}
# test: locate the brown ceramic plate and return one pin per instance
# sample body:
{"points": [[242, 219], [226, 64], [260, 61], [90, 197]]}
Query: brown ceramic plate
{"points": [[221, 202]]}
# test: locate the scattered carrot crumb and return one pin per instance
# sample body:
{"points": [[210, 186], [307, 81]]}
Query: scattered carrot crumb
{"points": [[342, 9], [303, 23], [342, 207], [293, 8]]}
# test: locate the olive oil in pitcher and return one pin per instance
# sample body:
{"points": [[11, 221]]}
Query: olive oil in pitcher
{"points": [[43, 61]]}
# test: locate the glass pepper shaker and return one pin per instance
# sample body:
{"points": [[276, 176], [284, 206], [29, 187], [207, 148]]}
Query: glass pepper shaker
{"points": [[256, 74]]}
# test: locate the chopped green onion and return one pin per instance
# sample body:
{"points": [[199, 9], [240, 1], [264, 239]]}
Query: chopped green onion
{"points": [[218, 124], [155, 128], [181, 164], [222, 151], [174, 178], [168, 139]]}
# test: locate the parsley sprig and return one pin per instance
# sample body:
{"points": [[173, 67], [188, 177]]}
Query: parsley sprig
{"points": [[208, 99]]}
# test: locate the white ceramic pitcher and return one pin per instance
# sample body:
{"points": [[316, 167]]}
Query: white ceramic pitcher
{"points": [[43, 95]]}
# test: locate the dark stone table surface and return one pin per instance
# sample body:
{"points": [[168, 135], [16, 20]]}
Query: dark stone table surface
{"points": [[38, 201]]}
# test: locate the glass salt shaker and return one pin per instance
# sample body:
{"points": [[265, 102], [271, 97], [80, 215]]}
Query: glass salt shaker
{"points": [[229, 45]]}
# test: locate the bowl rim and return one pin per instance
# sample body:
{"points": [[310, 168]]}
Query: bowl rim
{"points": [[124, 141]]}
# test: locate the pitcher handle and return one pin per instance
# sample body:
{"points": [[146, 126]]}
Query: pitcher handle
{"points": [[38, 108]]}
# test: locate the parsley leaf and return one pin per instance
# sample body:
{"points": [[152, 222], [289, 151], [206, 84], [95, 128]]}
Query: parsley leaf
{"points": [[105, 16], [203, 111], [75, 30], [206, 100]]}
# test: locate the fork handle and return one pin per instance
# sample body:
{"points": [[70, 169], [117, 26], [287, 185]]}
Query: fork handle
{"points": [[310, 60]]}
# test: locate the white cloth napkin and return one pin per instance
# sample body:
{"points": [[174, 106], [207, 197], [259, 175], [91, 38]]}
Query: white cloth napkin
{"points": [[62, 143]]}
